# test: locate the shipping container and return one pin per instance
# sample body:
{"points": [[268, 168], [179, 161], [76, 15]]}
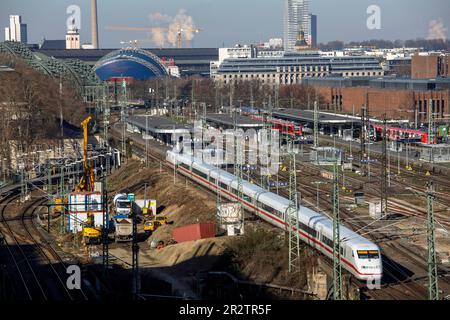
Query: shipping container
{"points": [[194, 232]]}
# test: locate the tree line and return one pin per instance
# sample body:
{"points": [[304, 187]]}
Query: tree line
{"points": [[430, 45]]}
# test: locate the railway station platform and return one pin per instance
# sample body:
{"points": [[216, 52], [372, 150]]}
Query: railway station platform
{"points": [[329, 123], [158, 128], [226, 121]]}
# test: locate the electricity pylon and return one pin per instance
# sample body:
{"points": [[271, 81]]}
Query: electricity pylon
{"points": [[384, 172], [433, 290], [337, 269], [292, 212]]}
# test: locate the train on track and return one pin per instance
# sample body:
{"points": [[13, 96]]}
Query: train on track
{"points": [[358, 255]]}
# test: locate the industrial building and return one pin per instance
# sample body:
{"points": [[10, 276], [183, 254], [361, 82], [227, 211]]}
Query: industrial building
{"points": [[292, 68], [395, 97], [430, 66]]}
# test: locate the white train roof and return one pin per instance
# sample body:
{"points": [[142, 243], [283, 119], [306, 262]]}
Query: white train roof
{"points": [[305, 215]]}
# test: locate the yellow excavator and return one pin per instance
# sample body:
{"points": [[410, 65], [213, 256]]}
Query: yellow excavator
{"points": [[91, 234]]}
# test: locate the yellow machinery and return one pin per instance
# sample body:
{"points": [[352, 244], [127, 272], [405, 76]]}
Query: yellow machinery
{"points": [[91, 234], [152, 223], [87, 180], [59, 203]]}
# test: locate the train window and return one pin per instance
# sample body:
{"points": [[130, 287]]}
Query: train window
{"points": [[368, 254], [201, 174], [327, 241], [308, 229]]}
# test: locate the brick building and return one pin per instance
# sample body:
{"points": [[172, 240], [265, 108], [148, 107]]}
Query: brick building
{"points": [[400, 99], [430, 67]]}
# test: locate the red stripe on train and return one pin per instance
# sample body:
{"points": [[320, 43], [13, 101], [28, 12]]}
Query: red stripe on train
{"points": [[273, 218]]}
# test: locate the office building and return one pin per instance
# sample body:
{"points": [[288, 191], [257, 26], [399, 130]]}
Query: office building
{"points": [[296, 18], [313, 28], [17, 31]]}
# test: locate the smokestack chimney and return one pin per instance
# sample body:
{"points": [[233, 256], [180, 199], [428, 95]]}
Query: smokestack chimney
{"points": [[94, 24]]}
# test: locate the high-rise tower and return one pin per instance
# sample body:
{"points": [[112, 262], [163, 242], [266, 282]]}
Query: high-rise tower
{"points": [[94, 24], [296, 17], [17, 31]]}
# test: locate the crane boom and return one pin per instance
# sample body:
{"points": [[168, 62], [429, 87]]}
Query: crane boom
{"points": [[87, 180], [180, 31]]}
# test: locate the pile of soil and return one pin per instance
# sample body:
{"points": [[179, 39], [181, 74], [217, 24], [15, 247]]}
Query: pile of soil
{"points": [[182, 203]]}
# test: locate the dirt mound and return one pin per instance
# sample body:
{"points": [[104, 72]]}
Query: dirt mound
{"points": [[183, 203]]}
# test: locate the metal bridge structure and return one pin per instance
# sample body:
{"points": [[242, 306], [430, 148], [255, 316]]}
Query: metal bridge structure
{"points": [[72, 70]]}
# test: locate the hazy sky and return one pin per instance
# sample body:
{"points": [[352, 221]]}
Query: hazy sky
{"points": [[230, 21]]}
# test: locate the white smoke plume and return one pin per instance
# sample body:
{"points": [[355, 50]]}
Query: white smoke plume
{"points": [[167, 28], [437, 30]]}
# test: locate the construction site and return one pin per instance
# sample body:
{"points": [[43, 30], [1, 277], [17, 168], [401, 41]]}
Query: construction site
{"points": [[169, 202], [117, 188]]}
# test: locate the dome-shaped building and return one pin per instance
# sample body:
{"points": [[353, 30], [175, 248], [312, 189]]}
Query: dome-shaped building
{"points": [[130, 63]]}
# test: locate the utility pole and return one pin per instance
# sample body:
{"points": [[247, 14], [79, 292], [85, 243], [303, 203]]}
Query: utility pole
{"points": [[135, 250], [106, 113], [337, 269], [316, 125], [49, 180], [277, 97], [384, 172], [363, 132], [351, 139], [231, 95], [105, 218], [430, 122], [146, 140], [433, 290], [268, 127], [193, 98], [252, 98], [292, 212], [61, 117], [124, 105], [22, 186], [238, 162]]}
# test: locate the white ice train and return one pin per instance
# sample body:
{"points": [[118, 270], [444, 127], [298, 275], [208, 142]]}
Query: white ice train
{"points": [[359, 256]]}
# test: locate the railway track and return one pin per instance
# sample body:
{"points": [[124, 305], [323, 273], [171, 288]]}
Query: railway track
{"points": [[395, 274], [41, 270], [398, 283]]}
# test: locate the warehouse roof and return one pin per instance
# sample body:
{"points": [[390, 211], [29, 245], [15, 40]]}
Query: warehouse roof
{"points": [[308, 116], [157, 124], [96, 54], [227, 120], [53, 44]]}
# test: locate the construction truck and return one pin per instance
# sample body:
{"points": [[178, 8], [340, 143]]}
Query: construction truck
{"points": [[122, 205], [123, 229]]}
